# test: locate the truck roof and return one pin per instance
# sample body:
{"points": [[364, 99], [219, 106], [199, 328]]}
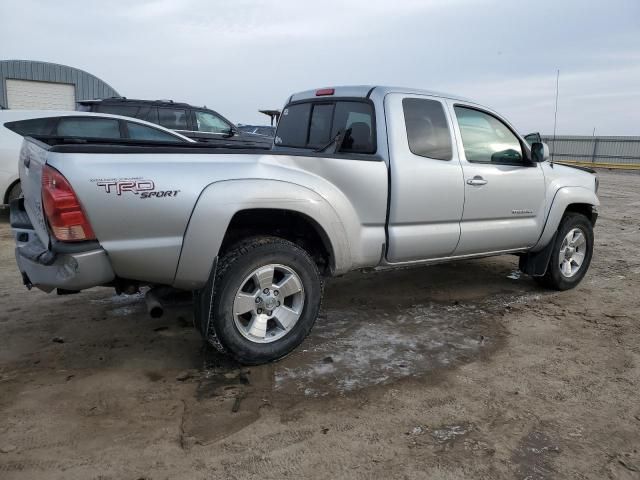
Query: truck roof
{"points": [[365, 91]]}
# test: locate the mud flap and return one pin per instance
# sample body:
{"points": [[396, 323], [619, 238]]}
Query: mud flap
{"points": [[203, 302], [536, 263], [200, 309], [203, 309]]}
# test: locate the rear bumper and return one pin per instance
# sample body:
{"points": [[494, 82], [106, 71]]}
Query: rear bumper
{"points": [[69, 272], [48, 269]]}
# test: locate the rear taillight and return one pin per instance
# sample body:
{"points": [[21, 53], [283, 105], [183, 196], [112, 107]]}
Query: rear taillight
{"points": [[325, 91], [63, 210]]}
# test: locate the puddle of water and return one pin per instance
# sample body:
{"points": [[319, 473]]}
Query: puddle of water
{"points": [[515, 275], [449, 433], [532, 456], [353, 349], [123, 305], [119, 299], [367, 337]]}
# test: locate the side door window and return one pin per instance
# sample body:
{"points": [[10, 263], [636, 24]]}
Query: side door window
{"points": [[210, 123], [88, 127], [427, 129], [486, 139], [173, 118]]}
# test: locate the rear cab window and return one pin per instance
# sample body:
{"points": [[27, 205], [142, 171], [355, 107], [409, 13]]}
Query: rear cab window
{"points": [[313, 124]]}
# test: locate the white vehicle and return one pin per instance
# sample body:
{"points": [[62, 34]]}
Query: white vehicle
{"points": [[14, 124]]}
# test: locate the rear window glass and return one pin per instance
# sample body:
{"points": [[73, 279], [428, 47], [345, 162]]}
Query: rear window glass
{"points": [[320, 129], [358, 116], [35, 126], [89, 127], [293, 125], [313, 125], [427, 128]]}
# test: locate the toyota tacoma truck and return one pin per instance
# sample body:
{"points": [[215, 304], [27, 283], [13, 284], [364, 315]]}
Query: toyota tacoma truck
{"points": [[358, 177]]}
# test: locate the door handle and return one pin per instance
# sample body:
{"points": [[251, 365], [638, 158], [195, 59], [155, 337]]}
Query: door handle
{"points": [[477, 180]]}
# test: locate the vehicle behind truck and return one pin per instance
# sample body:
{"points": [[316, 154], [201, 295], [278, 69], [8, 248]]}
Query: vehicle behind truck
{"points": [[198, 123], [359, 177]]}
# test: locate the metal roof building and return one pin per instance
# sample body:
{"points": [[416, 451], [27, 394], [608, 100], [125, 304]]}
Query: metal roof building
{"points": [[26, 84]]}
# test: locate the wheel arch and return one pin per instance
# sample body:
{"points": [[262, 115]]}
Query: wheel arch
{"points": [[292, 225], [573, 199], [5, 198], [226, 210], [585, 209]]}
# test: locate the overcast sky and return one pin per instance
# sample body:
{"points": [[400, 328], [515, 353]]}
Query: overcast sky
{"points": [[238, 56]]}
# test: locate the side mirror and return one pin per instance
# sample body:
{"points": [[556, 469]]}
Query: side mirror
{"points": [[507, 156], [539, 152], [232, 132], [533, 138]]}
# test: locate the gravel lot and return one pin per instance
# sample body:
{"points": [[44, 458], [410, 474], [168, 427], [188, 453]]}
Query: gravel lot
{"points": [[455, 371]]}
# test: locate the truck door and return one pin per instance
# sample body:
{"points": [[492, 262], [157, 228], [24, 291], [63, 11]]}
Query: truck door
{"points": [[427, 187], [504, 192]]}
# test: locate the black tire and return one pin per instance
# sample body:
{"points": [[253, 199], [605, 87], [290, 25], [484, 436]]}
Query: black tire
{"points": [[15, 192], [554, 278], [232, 269]]}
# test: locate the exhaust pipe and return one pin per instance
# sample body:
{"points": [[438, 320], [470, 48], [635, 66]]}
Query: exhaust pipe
{"points": [[154, 306]]}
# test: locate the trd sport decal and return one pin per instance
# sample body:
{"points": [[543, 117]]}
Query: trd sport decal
{"points": [[137, 186]]}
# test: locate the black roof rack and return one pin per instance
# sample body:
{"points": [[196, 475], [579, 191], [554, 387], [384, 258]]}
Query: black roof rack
{"points": [[141, 101]]}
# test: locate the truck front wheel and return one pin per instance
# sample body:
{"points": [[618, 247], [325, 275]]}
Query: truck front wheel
{"points": [[571, 253], [266, 297]]}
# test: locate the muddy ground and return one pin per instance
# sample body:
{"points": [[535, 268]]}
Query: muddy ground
{"points": [[466, 370]]}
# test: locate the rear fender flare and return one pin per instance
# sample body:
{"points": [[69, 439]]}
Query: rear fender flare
{"points": [[10, 182], [220, 201], [564, 197]]}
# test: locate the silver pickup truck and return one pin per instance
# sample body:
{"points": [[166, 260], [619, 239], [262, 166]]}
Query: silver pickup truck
{"points": [[358, 177]]}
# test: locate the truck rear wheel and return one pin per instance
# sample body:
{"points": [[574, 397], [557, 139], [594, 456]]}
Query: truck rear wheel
{"points": [[266, 297], [571, 253]]}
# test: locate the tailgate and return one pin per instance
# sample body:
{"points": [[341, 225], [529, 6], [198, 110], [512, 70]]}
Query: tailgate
{"points": [[33, 157]]}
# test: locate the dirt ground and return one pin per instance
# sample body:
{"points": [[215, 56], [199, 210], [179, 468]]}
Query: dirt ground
{"points": [[466, 370]]}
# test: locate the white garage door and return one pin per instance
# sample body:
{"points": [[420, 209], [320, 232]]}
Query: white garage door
{"points": [[28, 95]]}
